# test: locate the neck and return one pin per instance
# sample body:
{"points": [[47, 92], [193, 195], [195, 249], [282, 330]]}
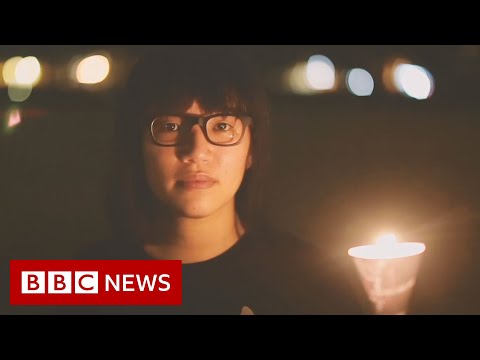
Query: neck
{"points": [[196, 239]]}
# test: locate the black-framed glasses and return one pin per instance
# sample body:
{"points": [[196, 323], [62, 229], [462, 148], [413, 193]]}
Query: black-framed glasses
{"points": [[222, 129]]}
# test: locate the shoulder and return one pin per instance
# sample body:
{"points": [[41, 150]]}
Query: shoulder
{"points": [[284, 245], [108, 249], [98, 250], [316, 279], [277, 238]]}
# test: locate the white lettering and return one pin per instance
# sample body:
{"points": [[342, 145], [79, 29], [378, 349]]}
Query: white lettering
{"points": [[166, 283], [127, 282], [115, 284], [146, 280], [130, 282]]}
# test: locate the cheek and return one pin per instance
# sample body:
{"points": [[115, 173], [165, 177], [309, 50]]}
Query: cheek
{"points": [[159, 165], [234, 164]]}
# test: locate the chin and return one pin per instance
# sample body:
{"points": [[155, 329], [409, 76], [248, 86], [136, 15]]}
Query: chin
{"points": [[195, 214], [196, 211]]}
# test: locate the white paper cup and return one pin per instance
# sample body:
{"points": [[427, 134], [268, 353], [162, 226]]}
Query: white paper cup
{"points": [[388, 274]]}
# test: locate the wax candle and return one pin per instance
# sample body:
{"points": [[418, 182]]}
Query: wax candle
{"points": [[388, 271]]}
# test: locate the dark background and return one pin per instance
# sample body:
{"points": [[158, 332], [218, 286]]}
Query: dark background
{"points": [[344, 167]]}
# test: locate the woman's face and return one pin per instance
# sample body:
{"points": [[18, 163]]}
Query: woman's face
{"points": [[196, 178]]}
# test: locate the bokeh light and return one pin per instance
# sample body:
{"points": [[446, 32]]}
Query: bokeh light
{"points": [[93, 69], [320, 73], [360, 82], [9, 68], [414, 81], [28, 71], [19, 93]]}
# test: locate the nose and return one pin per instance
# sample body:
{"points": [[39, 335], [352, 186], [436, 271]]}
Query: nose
{"points": [[195, 148]]}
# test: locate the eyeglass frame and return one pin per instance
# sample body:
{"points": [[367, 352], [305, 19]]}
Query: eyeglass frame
{"points": [[202, 121]]}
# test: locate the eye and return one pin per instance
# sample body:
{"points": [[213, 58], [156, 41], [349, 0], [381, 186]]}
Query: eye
{"points": [[223, 126], [170, 127]]}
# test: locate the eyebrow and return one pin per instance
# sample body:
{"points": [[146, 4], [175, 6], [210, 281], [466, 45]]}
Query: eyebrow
{"points": [[205, 114]]}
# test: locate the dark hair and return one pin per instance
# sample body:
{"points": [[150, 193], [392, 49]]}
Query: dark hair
{"points": [[170, 78]]}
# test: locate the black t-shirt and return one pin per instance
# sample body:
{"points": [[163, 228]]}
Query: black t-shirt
{"points": [[267, 271]]}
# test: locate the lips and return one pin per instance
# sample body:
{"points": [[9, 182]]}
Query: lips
{"points": [[196, 181]]}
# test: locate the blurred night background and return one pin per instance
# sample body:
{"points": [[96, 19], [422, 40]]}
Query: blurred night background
{"points": [[367, 139]]}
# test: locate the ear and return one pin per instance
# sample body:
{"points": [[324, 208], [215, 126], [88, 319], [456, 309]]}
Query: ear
{"points": [[249, 162]]}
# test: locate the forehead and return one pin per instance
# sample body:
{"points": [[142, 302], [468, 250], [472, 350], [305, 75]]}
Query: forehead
{"points": [[195, 108], [196, 105]]}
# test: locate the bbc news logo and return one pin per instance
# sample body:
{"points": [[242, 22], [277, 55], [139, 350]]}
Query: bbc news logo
{"points": [[59, 282], [95, 282]]}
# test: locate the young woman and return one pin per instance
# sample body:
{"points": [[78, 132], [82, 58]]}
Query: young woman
{"points": [[191, 151]]}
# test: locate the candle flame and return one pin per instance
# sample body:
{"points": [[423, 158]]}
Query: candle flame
{"points": [[386, 239], [392, 250]]}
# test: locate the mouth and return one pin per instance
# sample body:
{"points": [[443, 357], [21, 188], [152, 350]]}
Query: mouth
{"points": [[196, 181]]}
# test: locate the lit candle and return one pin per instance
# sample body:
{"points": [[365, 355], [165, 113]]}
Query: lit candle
{"points": [[388, 271]]}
